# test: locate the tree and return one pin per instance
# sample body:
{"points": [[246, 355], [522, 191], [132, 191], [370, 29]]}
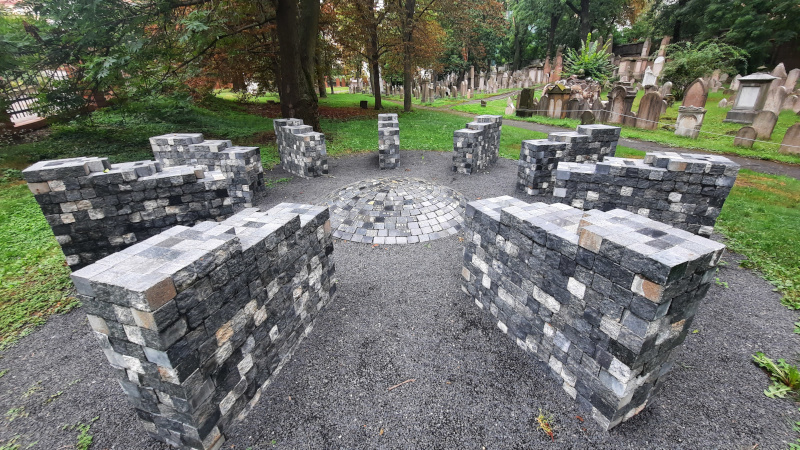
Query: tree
{"points": [[592, 61]]}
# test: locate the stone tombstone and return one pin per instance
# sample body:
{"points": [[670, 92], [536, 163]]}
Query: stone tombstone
{"points": [[750, 98], [779, 72], [735, 83], [587, 118], [666, 89], [658, 66], [544, 101], [649, 111], [690, 119], [791, 79], [510, 109], [790, 102], [791, 141], [723, 103], [649, 78], [620, 103], [559, 97], [696, 94], [775, 100], [764, 123], [526, 99], [483, 103], [745, 137], [574, 109]]}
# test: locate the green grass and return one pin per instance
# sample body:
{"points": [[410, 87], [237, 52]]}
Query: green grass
{"points": [[34, 278], [761, 219], [721, 141]]}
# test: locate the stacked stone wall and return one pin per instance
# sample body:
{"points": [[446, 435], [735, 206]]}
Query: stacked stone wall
{"points": [[388, 141], [684, 190], [96, 208], [241, 165], [539, 158], [601, 298], [302, 150], [477, 146], [197, 321]]}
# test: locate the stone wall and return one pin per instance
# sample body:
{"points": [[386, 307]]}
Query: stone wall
{"points": [[388, 141], [602, 298], [241, 165], [477, 146], [302, 150], [196, 321], [538, 158], [96, 208], [684, 190]]}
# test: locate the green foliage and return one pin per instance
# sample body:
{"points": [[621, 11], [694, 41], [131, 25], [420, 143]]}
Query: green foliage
{"points": [[591, 61], [84, 438], [688, 62], [785, 377]]}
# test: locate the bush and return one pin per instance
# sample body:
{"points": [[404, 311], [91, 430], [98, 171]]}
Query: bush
{"points": [[687, 62], [591, 61]]}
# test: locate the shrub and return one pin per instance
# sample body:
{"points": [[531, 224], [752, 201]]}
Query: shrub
{"points": [[592, 61], [687, 62]]}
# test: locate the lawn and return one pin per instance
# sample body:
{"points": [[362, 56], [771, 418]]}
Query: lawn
{"points": [[760, 218], [718, 137]]}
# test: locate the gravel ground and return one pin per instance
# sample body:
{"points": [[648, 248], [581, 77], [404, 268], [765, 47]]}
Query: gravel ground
{"points": [[400, 315]]}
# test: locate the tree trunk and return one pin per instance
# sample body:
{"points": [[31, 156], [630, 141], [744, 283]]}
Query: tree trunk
{"points": [[320, 73], [408, 34], [676, 31], [297, 38], [374, 64], [585, 23], [551, 32], [517, 45]]}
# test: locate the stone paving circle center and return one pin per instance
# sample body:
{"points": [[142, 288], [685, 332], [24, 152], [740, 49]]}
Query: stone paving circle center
{"points": [[395, 210]]}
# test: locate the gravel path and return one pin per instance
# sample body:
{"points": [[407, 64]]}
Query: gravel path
{"points": [[400, 315]]}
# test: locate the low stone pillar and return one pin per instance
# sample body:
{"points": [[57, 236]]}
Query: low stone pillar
{"points": [[302, 150], [539, 158], [690, 119], [684, 190], [240, 165], [601, 298], [196, 321], [477, 146], [388, 141]]}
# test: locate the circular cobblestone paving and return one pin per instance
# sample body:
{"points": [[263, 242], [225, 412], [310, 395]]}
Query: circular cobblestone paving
{"points": [[395, 211]]}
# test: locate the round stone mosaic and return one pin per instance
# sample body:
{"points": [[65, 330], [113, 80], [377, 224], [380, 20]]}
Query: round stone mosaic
{"points": [[395, 211]]}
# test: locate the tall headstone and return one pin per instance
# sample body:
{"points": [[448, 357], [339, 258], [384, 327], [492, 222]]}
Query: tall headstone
{"points": [[779, 72], [658, 66], [735, 82], [745, 137], [764, 124], [649, 111], [649, 78], [791, 79], [472, 78], [775, 100], [791, 141], [696, 94], [620, 104], [509, 107], [666, 89], [750, 98]]}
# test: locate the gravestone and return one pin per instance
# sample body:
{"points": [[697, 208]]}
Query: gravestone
{"points": [[789, 103], [776, 99], [696, 94], [778, 72], [735, 83], [574, 109], [666, 89], [764, 123], [483, 103], [620, 104], [723, 103], [690, 119], [559, 96], [649, 111], [587, 118], [364, 104], [509, 107], [791, 141], [791, 79], [745, 137], [658, 66], [649, 78], [541, 110]]}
